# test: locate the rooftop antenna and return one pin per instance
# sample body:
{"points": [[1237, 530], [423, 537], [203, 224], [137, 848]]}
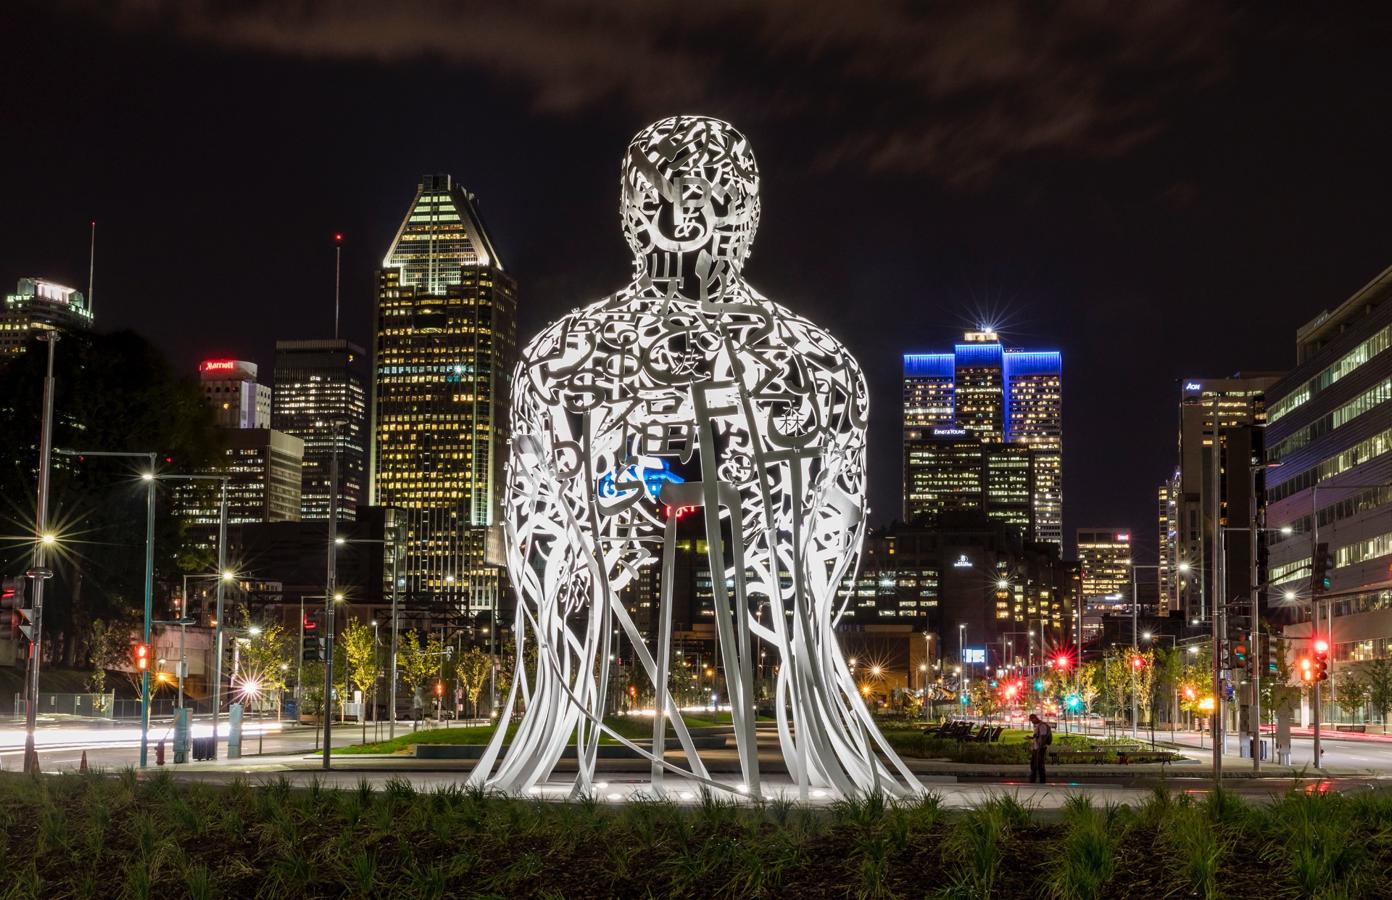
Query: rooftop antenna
{"points": [[91, 267], [338, 268]]}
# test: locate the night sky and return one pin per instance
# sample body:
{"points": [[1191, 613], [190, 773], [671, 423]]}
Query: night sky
{"points": [[1159, 192]]}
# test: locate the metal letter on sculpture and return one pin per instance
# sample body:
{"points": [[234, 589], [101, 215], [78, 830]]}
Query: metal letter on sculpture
{"points": [[687, 394]]}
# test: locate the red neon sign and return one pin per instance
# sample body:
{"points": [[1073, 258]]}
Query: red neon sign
{"points": [[218, 365]]}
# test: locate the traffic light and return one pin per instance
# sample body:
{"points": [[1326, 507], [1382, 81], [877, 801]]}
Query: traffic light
{"points": [[1039, 685], [313, 648], [1063, 661], [1074, 702], [1307, 669], [1321, 667], [1239, 652], [11, 598], [1137, 663], [140, 655], [439, 689], [1320, 568]]}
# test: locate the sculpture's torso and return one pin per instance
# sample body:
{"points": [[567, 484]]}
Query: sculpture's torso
{"points": [[619, 401]]}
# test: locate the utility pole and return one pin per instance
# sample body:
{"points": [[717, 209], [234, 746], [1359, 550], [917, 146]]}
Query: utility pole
{"points": [[1316, 588], [1218, 595], [218, 626], [329, 587], [40, 572], [149, 477], [391, 691]]}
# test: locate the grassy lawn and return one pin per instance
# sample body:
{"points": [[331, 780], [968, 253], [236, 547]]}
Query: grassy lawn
{"points": [[907, 738], [101, 836], [631, 727]]}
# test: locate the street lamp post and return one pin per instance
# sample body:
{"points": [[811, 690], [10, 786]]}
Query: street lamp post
{"points": [[1135, 618], [395, 545], [223, 577], [329, 580], [40, 572], [149, 477]]}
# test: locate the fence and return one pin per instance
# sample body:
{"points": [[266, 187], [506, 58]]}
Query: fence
{"points": [[89, 706]]}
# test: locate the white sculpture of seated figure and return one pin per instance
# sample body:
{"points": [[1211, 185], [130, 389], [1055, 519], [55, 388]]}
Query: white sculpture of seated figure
{"points": [[687, 401]]}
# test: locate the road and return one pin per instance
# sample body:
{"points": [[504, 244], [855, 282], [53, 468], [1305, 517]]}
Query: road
{"points": [[116, 745], [1352, 765], [1341, 754]]}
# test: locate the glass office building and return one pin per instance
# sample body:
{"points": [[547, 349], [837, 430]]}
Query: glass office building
{"points": [[444, 348], [320, 397], [1002, 399]]}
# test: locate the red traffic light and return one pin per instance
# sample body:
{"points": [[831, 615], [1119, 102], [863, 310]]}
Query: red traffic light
{"points": [[1138, 663], [1321, 646], [1063, 661], [141, 655], [439, 689]]}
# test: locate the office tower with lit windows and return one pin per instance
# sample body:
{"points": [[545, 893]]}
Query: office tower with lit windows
{"points": [[230, 387], [320, 397], [263, 469], [942, 473], [1169, 576], [1105, 557], [1003, 398], [444, 348], [37, 306], [1330, 428], [1239, 402]]}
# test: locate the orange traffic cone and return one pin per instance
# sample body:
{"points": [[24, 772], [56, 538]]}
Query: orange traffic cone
{"points": [[82, 766]]}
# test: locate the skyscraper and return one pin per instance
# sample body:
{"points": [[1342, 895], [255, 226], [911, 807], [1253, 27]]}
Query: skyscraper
{"points": [[38, 305], [1005, 399], [319, 393], [1240, 405], [445, 345], [1105, 557], [231, 389]]}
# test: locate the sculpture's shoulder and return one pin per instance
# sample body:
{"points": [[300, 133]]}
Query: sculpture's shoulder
{"points": [[811, 344]]}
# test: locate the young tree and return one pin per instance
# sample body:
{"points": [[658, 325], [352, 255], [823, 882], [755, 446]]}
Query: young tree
{"points": [[1354, 691], [419, 662], [265, 660], [1089, 685], [472, 672], [1378, 674], [984, 699], [360, 652], [108, 646]]}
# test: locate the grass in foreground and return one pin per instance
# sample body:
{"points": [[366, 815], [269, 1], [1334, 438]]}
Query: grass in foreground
{"points": [[97, 836]]}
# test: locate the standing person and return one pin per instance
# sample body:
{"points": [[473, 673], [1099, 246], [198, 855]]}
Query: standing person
{"points": [[1040, 740]]}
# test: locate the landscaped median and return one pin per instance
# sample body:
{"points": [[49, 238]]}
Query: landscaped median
{"points": [[909, 738], [636, 728], [106, 836]]}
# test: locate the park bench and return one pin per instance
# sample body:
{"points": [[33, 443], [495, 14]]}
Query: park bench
{"points": [[1081, 757]]}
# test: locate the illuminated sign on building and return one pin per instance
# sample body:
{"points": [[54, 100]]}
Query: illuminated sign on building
{"points": [[962, 562], [217, 365], [974, 656], [949, 432], [1192, 386], [1123, 538]]}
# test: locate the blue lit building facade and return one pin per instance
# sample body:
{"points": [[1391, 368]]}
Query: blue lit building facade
{"points": [[983, 429]]}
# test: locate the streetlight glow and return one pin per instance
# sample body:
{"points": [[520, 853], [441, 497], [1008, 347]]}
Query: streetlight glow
{"points": [[49, 537]]}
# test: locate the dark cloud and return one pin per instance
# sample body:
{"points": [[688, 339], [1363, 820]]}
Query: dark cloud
{"points": [[951, 90]]}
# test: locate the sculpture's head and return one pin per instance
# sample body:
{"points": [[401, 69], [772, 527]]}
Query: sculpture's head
{"points": [[690, 203]]}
